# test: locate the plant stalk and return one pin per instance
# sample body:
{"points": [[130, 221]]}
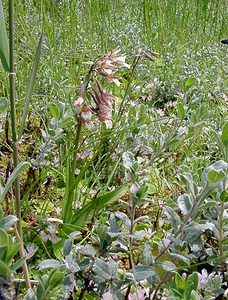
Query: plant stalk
{"points": [[221, 229], [121, 108], [131, 262], [70, 187], [12, 80]]}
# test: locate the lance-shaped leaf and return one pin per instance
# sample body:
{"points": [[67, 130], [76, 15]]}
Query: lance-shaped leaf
{"points": [[16, 172], [4, 43], [4, 272], [191, 285], [190, 182], [225, 135], [31, 84], [3, 105], [83, 215], [189, 82]]}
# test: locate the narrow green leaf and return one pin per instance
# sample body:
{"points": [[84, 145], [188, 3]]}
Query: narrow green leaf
{"points": [[207, 205], [224, 196], [190, 182], [177, 294], [4, 43], [225, 221], [189, 82], [40, 291], [12, 251], [225, 135], [4, 238], [4, 272], [180, 283], [31, 85], [225, 241], [3, 105], [55, 279], [3, 252], [191, 285], [16, 172], [54, 110], [195, 296], [83, 215], [67, 122], [18, 264], [180, 110], [111, 174]]}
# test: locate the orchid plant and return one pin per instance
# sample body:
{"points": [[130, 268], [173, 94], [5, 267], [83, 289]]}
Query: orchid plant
{"points": [[88, 115]]}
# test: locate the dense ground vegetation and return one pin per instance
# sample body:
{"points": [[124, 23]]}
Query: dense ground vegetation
{"points": [[122, 151]]}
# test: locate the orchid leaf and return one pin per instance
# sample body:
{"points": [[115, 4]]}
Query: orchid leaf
{"points": [[83, 215]]}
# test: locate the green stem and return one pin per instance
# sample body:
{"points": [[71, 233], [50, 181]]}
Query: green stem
{"points": [[221, 229], [76, 144], [133, 207], [131, 240], [71, 183], [12, 77], [221, 232], [70, 177], [135, 63]]}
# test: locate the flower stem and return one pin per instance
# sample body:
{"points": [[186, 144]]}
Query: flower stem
{"points": [[135, 63], [12, 77], [70, 186]]}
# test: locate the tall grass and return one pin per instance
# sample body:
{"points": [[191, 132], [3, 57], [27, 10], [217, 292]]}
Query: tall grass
{"points": [[194, 22]]}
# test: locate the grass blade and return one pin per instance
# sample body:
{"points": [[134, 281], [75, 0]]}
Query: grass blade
{"points": [[4, 43], [31, 84], [20, 167]]}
